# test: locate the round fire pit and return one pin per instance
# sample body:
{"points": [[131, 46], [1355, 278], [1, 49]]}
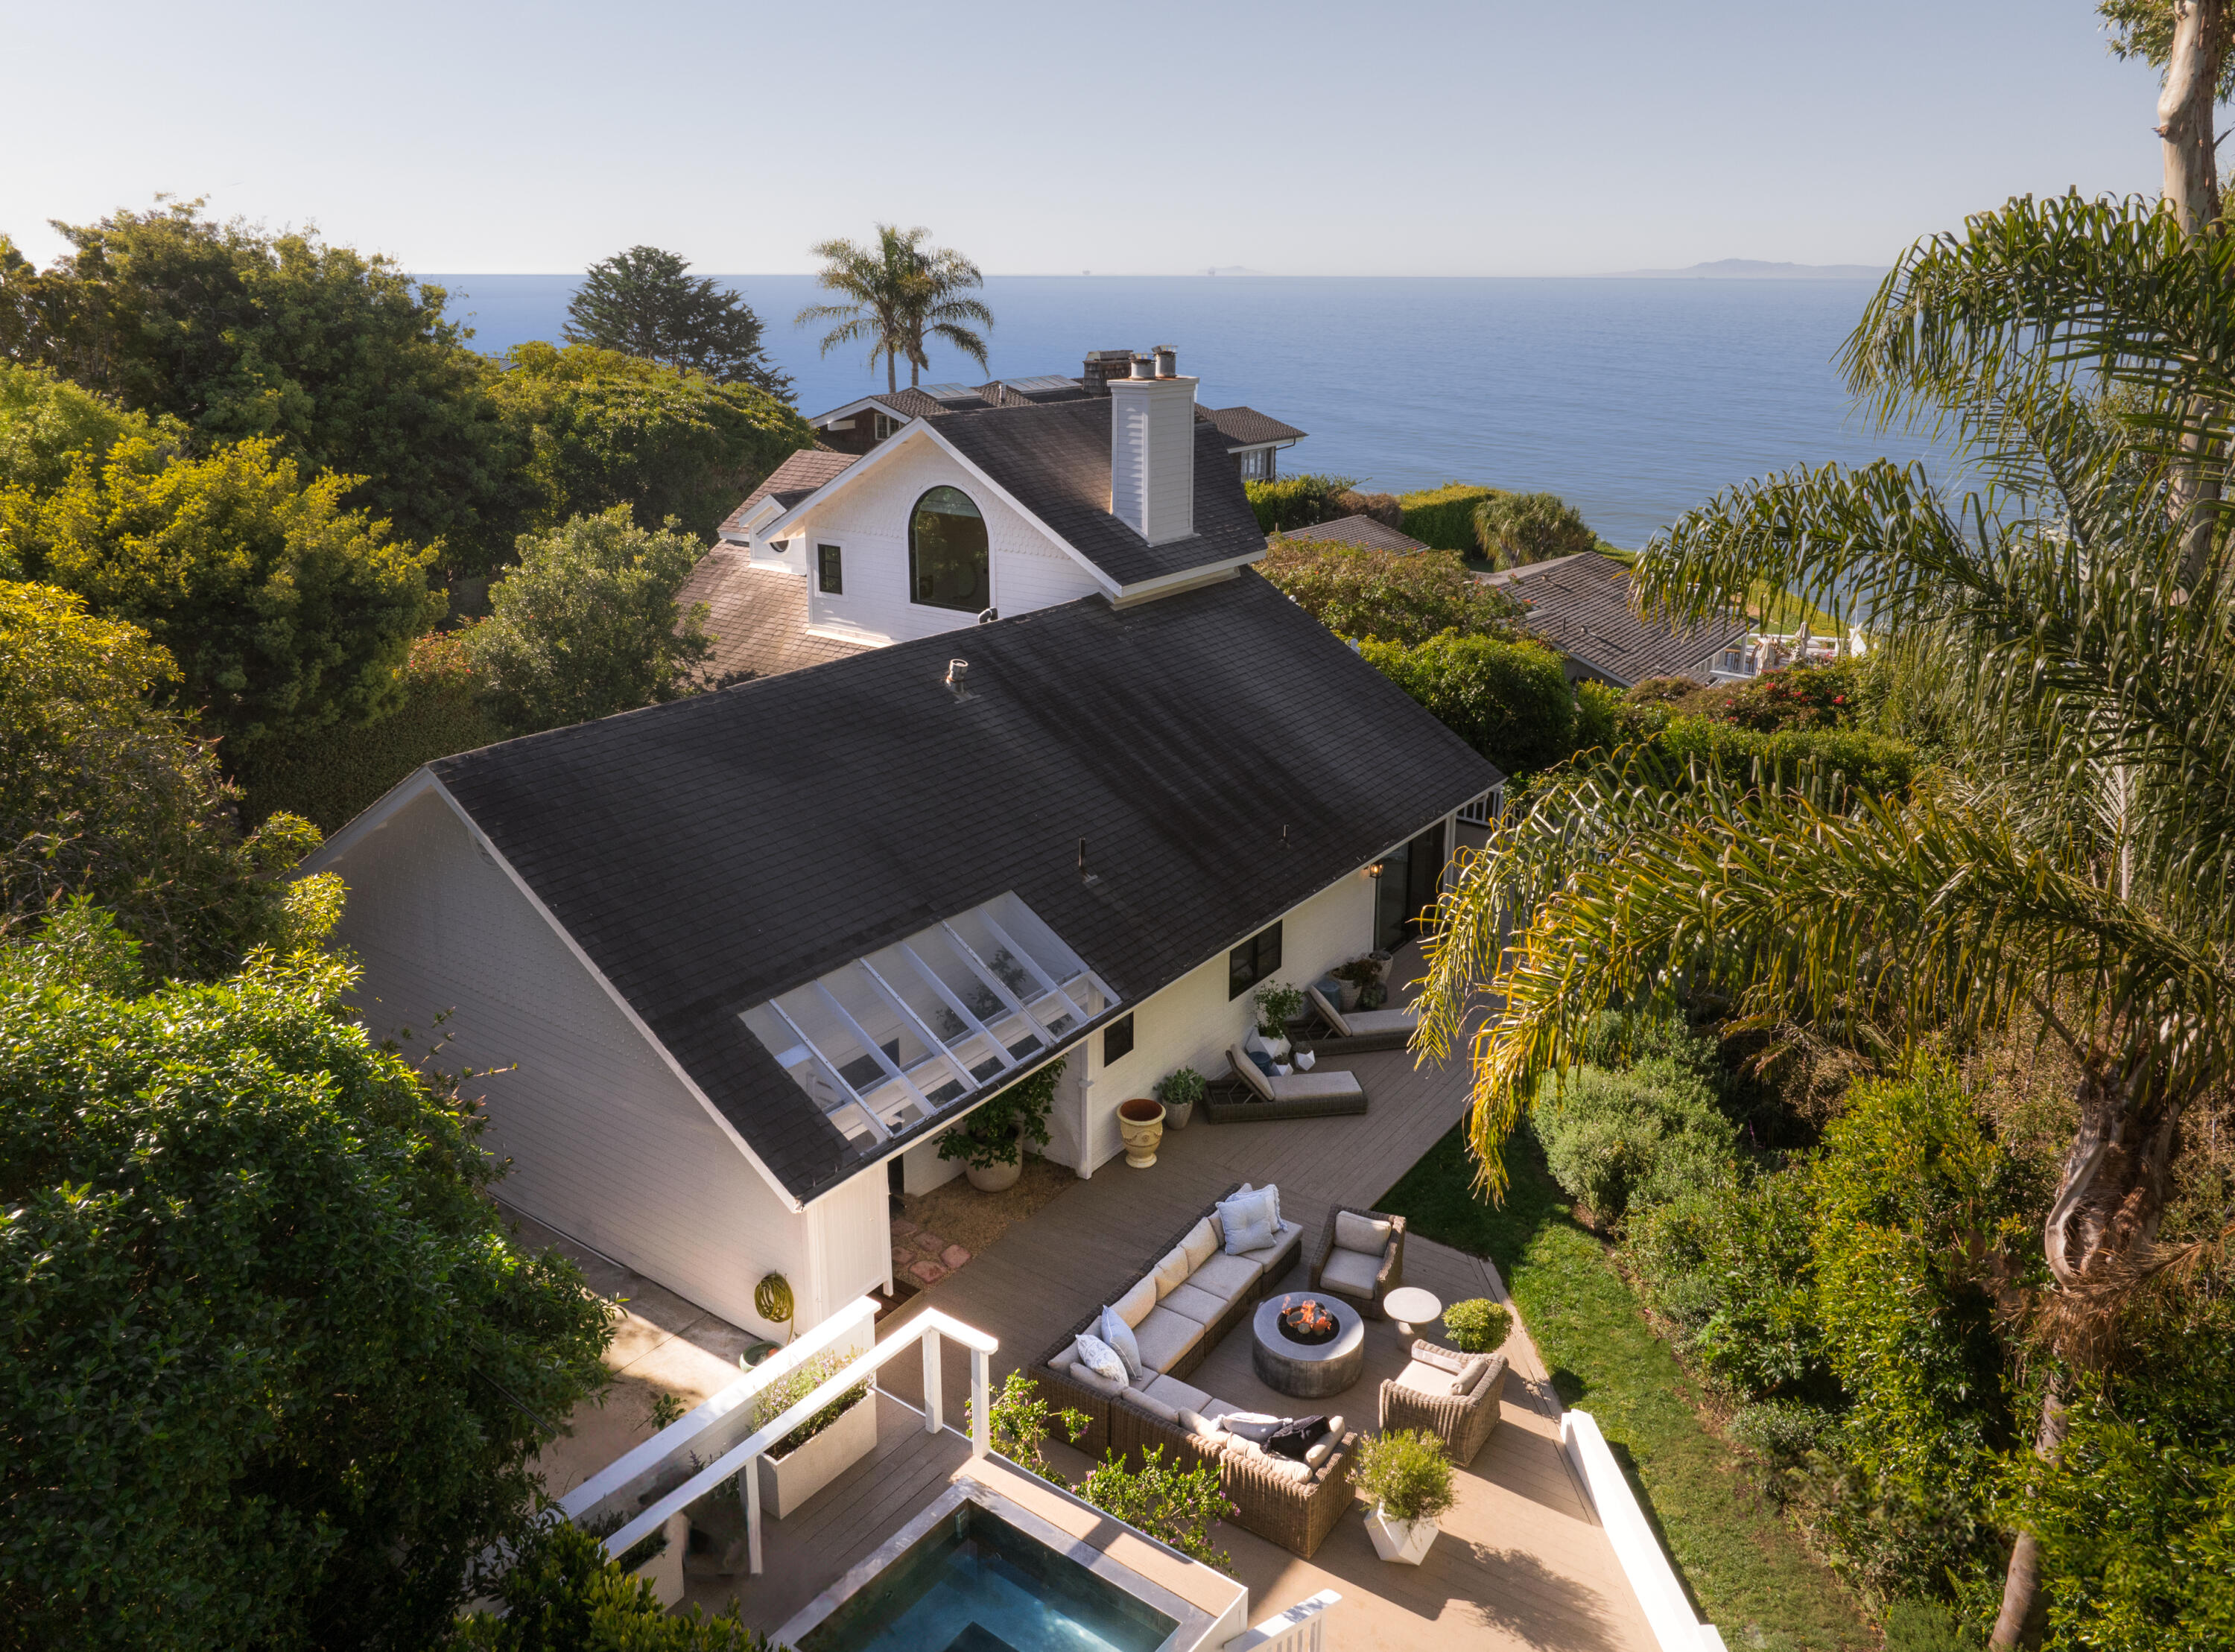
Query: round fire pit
{"points": [[1307, 1344]]}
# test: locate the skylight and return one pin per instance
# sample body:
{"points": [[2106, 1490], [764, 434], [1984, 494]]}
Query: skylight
{"points": [[928, 1024], [950, 392], [1042, 385]]}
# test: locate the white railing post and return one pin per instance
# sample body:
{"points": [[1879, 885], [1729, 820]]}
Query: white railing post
{"points": [[749, 1488], [1302, 1628], [982, 1413], [932, 1420]]}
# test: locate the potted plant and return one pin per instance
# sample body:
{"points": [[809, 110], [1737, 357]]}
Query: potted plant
{"points": [[1352, 977], [1141, 1124], [991, 1142], [1179, 1092], [1278, 1003], [1408, 1478], [820, 1449]]}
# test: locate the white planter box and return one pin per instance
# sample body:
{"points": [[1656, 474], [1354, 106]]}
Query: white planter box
{"points": [[787, 1482], [1405, 1541]]}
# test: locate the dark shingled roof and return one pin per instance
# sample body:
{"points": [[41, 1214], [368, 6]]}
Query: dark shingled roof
{"points": [[714, 852], [1054, 460], [1580, 605], [757, 616], [1247, 428], [800, 474], [1356, 530]]}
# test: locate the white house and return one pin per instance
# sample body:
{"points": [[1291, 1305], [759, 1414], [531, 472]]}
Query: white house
{"points": [[1075, 781]]}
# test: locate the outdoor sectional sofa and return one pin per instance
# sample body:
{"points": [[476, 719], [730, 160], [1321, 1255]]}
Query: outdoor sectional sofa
{"points": [[1293, 1503]]}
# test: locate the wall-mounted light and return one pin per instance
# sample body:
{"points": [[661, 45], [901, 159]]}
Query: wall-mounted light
{"points": [[1376, 869]]}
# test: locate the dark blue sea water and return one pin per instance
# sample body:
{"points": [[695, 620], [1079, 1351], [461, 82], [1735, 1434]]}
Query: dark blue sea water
{"points": [[1633, 399]]}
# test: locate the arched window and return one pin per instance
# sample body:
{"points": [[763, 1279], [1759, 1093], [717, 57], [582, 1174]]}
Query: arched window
{"points": [[947, 553]]}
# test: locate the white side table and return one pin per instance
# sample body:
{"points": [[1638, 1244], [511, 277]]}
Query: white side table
{"points": [[1409, 1305]]}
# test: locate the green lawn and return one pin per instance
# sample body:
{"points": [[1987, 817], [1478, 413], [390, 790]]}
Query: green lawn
{"points": [[1745, 1565]]}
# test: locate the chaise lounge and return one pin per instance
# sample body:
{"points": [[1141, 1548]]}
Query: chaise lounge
{"points": [[1267, 1096], [1387, 1028]]}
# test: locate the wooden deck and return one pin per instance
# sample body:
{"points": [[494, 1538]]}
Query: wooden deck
{"points": [[1521, 1562]]}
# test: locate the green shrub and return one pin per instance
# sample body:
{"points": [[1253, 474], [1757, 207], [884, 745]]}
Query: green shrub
{"points": [[1355, 592], [1016, 1118], [1643, 1136], [1295, 501], [1800, 696], [1018, 1422], [1173, 1506], [1598, 717], [1619, 1038], [1443, 517], [1735, 1270], [1516, 529], [1477, 1325], [1406, 1474], [1923, 1626], [1870, 763], [563, 1594], [1781, 1432], [1509, 701], [332, 779]]}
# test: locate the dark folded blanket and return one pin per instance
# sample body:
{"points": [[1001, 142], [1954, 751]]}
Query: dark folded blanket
{"points": [[1286, 1437]]}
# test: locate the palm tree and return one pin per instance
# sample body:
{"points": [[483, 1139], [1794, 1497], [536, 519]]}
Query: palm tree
{"points": [[2075, 871], [898, 292]]}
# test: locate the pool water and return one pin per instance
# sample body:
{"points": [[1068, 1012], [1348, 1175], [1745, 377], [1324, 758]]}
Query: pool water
{"points": [[975, 1583]]}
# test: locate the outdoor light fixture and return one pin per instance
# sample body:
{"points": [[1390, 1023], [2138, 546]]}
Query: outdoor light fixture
{"points": [[1375, 870]]}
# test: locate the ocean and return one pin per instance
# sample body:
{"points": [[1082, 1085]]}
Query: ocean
{"points": [[1633, 399]]}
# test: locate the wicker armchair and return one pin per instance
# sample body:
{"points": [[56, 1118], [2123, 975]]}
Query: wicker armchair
{"points": [[1350, 1279], [1464, 1422]]}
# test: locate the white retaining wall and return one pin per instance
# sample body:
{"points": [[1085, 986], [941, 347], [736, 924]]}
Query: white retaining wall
{"points": [[1651, 1577]]}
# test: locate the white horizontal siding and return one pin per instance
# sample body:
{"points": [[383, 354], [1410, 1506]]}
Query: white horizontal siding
{"points": [[605, 1143]]}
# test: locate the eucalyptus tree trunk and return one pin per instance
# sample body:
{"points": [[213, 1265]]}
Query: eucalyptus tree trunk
{"points": [[2192, 191]]}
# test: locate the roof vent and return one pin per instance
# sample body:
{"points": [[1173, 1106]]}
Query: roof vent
{"points": [[958, 672], [1167, 361], [989, 616], [1143, 367]]}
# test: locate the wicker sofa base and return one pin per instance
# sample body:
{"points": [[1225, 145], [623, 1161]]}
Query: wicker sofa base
{"points": [[1297, 1515]]}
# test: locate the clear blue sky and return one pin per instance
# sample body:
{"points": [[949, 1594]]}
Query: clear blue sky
{"points": [[1290, 138]]}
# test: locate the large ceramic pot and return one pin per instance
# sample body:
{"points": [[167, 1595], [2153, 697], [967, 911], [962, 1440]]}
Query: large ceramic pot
{"points": [[1346, 1000], [1403, 1542], [1177, 1114], [1141, 1123], [995, 1177]]}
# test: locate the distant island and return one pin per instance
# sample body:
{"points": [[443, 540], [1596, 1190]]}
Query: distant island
{"points": [[1759, 270]]}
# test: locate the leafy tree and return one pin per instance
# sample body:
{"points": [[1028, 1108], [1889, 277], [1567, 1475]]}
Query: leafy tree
{"points": [[45, 420], [562, 1594], [897, 293], [1509, 701], [288, 613], [276, 1375], [642, 303], [1357, 592], [340, 357], [586, 625], [1515, 529], [104, 796], [608, 429]]}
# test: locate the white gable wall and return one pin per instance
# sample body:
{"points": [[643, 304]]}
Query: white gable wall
{"points": [[606, 1143], [868, 519]]}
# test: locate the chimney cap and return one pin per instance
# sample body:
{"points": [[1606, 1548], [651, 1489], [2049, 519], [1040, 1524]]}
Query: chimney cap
{"points": [[1167, 361], [1144, 367], [958, 672]]}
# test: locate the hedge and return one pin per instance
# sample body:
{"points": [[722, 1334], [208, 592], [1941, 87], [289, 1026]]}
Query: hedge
{"points": [[1443, 517], [1872, 762], [1296, 501]]}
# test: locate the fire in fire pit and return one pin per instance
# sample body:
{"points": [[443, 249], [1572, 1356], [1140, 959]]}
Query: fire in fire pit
{"points": [[1305, 1322]]}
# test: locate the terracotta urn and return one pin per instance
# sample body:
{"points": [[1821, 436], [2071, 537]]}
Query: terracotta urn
{"points": [[1141, 1123]]}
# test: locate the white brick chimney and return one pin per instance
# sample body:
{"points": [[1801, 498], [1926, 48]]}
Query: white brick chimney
{"points": [[1152, 448]]}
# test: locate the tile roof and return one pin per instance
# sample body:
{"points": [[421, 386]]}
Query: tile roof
{"points": [[757, 616], [1355, 530], [1580, 605], [800, 474], [1054, 460], [1247, 428], [712, 853]]}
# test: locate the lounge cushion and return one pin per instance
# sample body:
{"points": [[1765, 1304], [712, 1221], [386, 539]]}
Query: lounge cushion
{"points": [[1268, 1253], [1200, 1245], [1323, 1000], [1427, 1379], [1166, 1337], [1172, 1271], [1113, 1330], [1246, 1069], [1198, 1304], [1356, 1232], [1351, 1271], [1364, 1023], [1133, 1307], [1181, 1396], [1154, 1407], [1320, 1084], [1226, 1278]]}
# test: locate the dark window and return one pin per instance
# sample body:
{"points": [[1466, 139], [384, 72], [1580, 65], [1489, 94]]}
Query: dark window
{"points": [[947, 553], [1253, 961], [833, 576], [1116, 1041]]}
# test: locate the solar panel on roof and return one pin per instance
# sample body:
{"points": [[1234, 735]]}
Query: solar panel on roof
{"points": [[1041, 385], [950, 392]]}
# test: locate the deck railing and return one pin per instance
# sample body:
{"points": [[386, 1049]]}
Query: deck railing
{"points": [[1302, 1628], [741, 1460]]}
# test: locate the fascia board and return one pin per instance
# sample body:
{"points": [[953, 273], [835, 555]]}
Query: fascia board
{"points": [[620, 1003], [822, 419], [1195, 575], [374, 816]]}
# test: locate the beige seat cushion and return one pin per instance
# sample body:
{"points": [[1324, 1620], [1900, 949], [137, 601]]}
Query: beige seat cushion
{"points": [[1200, 1245], [1356, 1232], [1161, 1410], [1245, 1070], [1165, 1336], [1320, 1084], [1133, 1307], [1224, 1277], [1332, 1016], [1364, 1023], [1198, 1304], [1350, 1270], [1181, 1396], [1172, 1271], [1426, 1380], [1288, 1234], [1092, 1381]]}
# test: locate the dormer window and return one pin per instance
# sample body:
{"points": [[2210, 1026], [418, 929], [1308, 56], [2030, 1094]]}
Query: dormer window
{"points": [[947, 564]]}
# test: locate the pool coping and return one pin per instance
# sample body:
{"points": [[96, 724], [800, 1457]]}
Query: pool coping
{"points": [[1192, 1624]]}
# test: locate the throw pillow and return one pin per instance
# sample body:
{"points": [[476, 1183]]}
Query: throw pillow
{"points": [[1262, 1061], [1319, 1454], [1469, 1374], [1444, 1358], [1100, 1358], [1257, 1427], [1254, 1237], [1356, 1232], [1117, 1335]]}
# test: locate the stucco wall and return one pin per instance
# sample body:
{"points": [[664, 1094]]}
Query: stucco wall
{"points": [[606, 1143], [868, 521]]}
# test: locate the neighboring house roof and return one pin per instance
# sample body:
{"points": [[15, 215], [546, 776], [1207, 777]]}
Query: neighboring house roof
{"points": [[1247, 428], [1054, 462], [757, 616], [1356, 530], [1223, 756], [800, 474], [1581, 604], [1013, 393]]}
